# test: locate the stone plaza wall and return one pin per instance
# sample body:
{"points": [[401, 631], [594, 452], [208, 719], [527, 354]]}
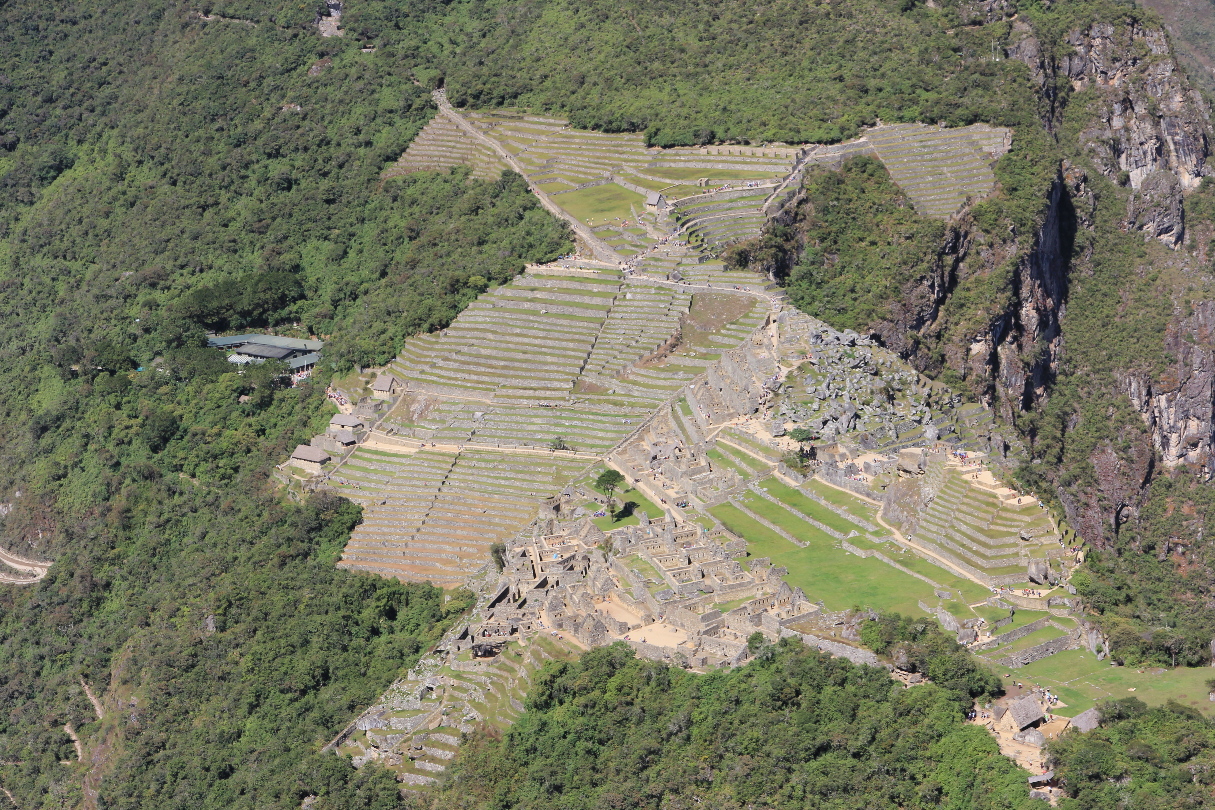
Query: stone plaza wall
{"points": [[1019, 633]]}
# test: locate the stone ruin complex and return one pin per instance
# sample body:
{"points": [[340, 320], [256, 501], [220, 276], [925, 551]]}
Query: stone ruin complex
{"points": [[674, 592], [581, 364]]}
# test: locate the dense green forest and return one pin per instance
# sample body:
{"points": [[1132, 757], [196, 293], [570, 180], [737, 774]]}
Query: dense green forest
{"points": [[1158, 758], [794, 728], [163, 174], [709, 70]]}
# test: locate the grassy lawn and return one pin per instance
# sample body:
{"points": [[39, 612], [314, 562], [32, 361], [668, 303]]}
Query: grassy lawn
{"points": [[841, 580], [691, 173], [1020, 619], [744, 458], [990, 614], [840, 498], [726, 607], [601, 202], [720, 460], [642, 567], [785, 519], [808, 507], [1032, 640], [644, 504], [969, 592], [1082, 681]]}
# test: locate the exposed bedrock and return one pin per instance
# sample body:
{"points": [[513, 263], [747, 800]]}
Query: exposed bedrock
{"points": [[1151, 130], [1012, 357], [1179, 407]]}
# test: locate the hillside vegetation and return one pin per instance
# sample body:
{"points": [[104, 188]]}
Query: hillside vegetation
{"points": [[710, 70], [168, 168], [795, 728], [162, 174]]}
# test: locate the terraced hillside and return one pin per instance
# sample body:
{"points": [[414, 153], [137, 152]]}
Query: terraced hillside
{"points": [[833, 547], [439, 701], [728, 215], [717, 194], [441, 145], [940, 169], [544, 340], [531, 384], [993, 535], [434, 515]]}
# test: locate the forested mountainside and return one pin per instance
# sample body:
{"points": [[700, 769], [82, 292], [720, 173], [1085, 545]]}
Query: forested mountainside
{"points": [[798, 729], [795, 728], [163, 173], [171, 167]]}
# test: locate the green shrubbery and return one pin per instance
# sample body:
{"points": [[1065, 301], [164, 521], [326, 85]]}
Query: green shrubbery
{"points": [[794, 728], [863, 243], [1163, 757], [713, 70]]}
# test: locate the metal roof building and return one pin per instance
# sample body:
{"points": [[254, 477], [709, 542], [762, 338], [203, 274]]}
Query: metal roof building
{"points": [[298, 344]]}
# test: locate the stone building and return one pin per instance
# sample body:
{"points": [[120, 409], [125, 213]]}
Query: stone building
{"points": [[311, 460]]}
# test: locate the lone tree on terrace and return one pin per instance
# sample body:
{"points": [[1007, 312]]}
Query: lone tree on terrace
{"points": [[608, 482]]}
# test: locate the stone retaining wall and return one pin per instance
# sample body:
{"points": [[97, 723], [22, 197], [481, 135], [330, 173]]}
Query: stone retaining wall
{"points": [[797, 513], [836, 477], [1014, 635], [866, 553], [1040, 651], [853, 654]]}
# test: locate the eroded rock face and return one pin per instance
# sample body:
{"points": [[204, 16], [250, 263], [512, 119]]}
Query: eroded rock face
{"points": [[1180, 408], [1152, 120], [1150, 123], [1155, 208]]}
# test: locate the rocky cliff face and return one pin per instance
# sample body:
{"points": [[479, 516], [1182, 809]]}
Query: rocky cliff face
{"points": [[1148, 131], [1151, 130], [1179, 409]]}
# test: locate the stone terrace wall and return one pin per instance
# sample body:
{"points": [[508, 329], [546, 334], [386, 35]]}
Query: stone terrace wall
{"points": [[1019, 633], [866, 552], [854, 654], [1040, 651]]}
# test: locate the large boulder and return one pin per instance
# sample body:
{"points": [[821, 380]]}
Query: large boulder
{"points": [[1031, 736], [1038, 572]]}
